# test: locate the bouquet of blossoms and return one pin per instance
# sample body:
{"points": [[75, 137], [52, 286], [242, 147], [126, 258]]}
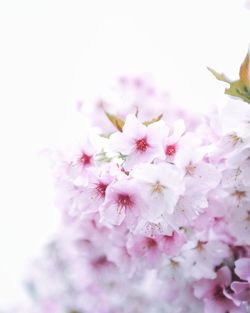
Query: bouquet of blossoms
{"points": [[156, 209]]}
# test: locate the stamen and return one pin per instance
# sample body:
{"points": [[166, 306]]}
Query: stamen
{"points": [[124, 201], [239, 194], [190, 169], [150, 243], [235, 138], [157, 187], [170, 150], [142, 144], [200, 245], [101, 189], [218, 293], [85, 159]]}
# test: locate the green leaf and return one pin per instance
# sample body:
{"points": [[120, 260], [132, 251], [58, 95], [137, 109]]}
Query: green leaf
{"points": [[237, 89], [219, 76], [102, 157]]}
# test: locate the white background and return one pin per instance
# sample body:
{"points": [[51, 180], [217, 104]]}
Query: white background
{"points": [[55, 53]]}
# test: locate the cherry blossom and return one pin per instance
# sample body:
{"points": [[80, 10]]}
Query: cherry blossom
{"points": [[213, 293], [155, 214], [122, 201], [139, 143], [239, 222], [171, 142], [241, 290], [202, 259], [242, 268], [161, 187]]}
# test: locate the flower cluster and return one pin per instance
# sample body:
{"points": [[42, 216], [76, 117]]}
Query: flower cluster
{"points": [[156, 213]]}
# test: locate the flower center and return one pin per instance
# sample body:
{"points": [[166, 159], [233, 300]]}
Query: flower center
{"points": [[200, 245], [157, 187], [150, 243], [190, 169], [239, 194], [100, 261], [85, 159], [124, 201], [101, 189], [142, 144], [174, 263], [235, 138], [170, 150], [218, 293]]}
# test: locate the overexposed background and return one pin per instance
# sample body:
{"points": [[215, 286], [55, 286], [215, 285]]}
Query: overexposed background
{"points": [[54, 53]]}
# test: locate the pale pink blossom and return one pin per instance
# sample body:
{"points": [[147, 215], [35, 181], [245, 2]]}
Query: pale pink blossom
{"points": [[241, 291], [242, 268], [139, 143], [171, 142], [122, 202], [160, 187], [213, 293], [202, 259], [239, 222]]}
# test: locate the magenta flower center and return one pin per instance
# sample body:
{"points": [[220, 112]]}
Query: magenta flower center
{"points": [[100, 261], [218, 293], [101, 189], [85, 159], [170, 150], [142, 144], [150, 243], [124, 201]]}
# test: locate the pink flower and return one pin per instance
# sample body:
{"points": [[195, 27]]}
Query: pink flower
{"points": [[235, 119], [213, 293], [72, 165], [171, 244], [83, 159], [139, 143], [144, 251], [241, 291], [238, 175], [161, 187], [201, 260], [171, 142], [92, 196], [122, 201], [171, 270], [239, 221], [242, 268], [152, 229]]}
